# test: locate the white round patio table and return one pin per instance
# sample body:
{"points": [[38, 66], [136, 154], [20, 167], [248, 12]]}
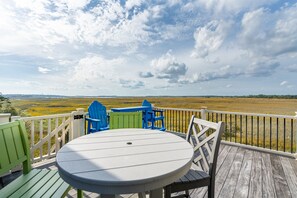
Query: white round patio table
{"points": [[124, 161]]}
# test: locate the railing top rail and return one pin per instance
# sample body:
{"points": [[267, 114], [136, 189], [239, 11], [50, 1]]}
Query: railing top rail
{"points": [[252, 114], [45, 117], [179, 109]]}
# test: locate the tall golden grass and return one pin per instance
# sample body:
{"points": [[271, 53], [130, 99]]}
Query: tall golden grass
{"points": [[37, 107]]}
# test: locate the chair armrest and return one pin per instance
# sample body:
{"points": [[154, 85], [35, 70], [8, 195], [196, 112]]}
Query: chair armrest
{"points": [[93, 120]]}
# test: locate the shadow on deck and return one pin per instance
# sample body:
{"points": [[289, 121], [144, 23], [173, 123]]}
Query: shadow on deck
{"points": [[240, 173]]}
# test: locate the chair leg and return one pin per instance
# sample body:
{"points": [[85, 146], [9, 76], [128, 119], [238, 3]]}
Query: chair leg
{"points": [[187, 194], [141, 195], [210, 192], [80, 193], [167, 191], [163, 126]]}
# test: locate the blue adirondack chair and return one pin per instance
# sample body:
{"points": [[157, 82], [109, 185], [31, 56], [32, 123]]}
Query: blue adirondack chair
{"points": [[98, 118], [154, 115]]}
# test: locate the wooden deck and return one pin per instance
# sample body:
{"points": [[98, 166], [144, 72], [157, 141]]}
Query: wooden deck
{"points": [[240, 173]]}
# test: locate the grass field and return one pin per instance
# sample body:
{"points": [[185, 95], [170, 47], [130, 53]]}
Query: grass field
{"points": [[37, 107]]}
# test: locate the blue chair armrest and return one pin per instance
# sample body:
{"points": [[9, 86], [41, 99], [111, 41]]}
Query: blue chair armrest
{"points": [[93, 120]]}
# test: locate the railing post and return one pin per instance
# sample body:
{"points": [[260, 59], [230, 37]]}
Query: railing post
{"points": [[203, 112], [4, 117], [77, 123]]}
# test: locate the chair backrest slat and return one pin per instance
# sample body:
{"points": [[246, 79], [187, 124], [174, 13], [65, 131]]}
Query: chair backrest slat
{"points": [[125, 120], [14, 147], [205, 136]]}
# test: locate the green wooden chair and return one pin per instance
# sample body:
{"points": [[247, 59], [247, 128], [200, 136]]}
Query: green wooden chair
{"points": [[14, 150], [120, 120]]}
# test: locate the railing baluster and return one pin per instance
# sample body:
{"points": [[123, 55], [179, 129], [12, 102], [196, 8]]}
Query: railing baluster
{"points": [[40, 137], [277, 134], [252, 131], [292, 137], [230, 125], [49, 141], [246, 129], [258, 129], [270, 131], [264, 143], [240, 129], [56, 136], [226, 124], [284, 134], [183, 121], [174, 121], [235, 125]]}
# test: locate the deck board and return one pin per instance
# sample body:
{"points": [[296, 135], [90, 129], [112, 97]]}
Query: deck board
{"points": [[268, 187], [240, 173], [255, 189], [243, 181], [280, 182]]}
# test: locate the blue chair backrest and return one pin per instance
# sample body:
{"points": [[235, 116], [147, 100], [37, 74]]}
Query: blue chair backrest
{"points": [[147, 104], [98, 111]]}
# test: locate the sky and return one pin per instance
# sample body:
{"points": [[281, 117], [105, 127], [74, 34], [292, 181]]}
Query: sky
{"points": [[146, 47]]}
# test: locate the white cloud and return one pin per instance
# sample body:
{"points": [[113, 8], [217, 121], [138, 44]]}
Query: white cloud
{"points": [[283, 83], [270, 33], [43, 70], [262, 68], [225, 8], [96, 69], [131, 3], [210, 37], [146, 74], [133, 84], [167, 67]]}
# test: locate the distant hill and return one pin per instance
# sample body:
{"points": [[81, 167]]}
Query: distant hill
{"points": [[41, 96]]}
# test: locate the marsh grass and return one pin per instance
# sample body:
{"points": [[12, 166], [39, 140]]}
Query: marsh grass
{"points": [[259, 134]]}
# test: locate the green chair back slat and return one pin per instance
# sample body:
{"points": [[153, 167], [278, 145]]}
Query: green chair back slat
{"points": [[18, 183], [10, 146], [125, 120], [13, 147], [18, 142], [4, 160]]}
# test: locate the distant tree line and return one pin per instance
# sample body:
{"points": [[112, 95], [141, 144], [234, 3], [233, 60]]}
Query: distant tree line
{"points": [[6, 106], [270, 96]]}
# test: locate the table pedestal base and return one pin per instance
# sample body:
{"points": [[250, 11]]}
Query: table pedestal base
{"points": [[157, 193]]}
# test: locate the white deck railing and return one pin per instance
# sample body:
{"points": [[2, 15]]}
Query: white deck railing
{"points": [[47, 134], [267, 132]]}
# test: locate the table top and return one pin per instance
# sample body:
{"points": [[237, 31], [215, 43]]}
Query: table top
{"points": [[124, 161], [130, 109]]}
